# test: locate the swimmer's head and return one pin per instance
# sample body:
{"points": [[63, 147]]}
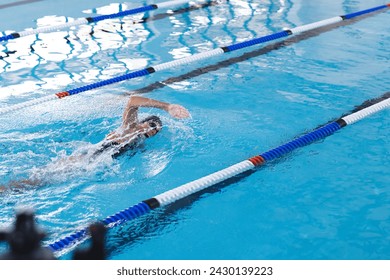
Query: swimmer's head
{"points": [[152, 124]]}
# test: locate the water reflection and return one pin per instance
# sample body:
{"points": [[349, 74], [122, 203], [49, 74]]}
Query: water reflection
{"points": [[77, 42]]}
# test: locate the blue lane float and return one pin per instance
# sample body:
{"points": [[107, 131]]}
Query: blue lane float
{"points": [[313, 136], [122, 14], [356, 14], [130, 213], [88, 20], [257, 41], [187, 60], [364, 110]]}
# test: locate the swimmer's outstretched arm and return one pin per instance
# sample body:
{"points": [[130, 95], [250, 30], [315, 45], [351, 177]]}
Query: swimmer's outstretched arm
{"points": [[21, 184], [130, 115]]}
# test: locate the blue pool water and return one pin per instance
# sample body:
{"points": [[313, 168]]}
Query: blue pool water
{"points": [[329, 200]]}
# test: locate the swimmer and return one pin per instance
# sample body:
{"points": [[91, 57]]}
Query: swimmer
{"points": [[129, 134], [132, 130]]}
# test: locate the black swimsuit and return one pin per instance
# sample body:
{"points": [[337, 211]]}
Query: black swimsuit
{"points": [[119, 148]]}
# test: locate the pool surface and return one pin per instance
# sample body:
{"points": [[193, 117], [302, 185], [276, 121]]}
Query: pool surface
{"points": [[328, 200]]}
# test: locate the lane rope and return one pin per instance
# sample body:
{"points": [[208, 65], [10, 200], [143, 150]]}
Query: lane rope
{"points": [[190, 59], [366, 109], [89, 20]]}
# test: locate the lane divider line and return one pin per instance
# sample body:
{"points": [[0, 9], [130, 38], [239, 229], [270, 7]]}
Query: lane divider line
{"points": [[88, 20], [173, 195], [190, 59]]}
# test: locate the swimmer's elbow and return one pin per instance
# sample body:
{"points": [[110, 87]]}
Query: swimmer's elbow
{"points": [[135, 101]]}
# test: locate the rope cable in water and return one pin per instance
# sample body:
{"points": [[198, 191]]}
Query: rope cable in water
{"points": [[191, 58], [173, 195], [81, 21]]}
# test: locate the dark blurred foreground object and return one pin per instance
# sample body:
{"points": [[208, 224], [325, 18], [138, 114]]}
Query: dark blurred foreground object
{"points": [[24, 239], [97, 250]]}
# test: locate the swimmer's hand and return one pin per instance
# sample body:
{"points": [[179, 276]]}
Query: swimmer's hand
{"points": [[178, 111]]}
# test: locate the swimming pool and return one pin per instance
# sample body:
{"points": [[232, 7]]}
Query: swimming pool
{"points": [[328, 200]]}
